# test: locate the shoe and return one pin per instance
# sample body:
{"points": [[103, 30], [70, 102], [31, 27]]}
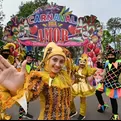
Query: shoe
{"points": [[102, 108], [81, 117], [114, 117], [72, 114], [28, 116]]}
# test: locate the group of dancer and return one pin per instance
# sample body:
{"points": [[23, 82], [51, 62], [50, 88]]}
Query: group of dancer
{"points": [[58, 82]]}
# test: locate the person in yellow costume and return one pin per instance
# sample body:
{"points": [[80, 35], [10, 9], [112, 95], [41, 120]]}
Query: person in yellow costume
{"points": [[52, 85], [81, 87], [4, 93]]}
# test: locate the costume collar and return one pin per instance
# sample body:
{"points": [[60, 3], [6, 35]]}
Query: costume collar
{"points": [[110, 64]]}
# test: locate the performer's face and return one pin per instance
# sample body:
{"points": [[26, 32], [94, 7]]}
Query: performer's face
{"points": [[111, 58], [82, 62], [29, 59], [56, 63]]}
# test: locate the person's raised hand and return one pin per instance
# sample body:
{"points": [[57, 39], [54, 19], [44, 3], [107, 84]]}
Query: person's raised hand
{"points": [[10, 78]]}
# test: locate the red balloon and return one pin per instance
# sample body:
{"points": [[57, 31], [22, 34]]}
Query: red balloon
{"points": [[94, 46], [97, 50], [94, 59], [72, 29], [90, 46], [90, 54], [33, 29]]}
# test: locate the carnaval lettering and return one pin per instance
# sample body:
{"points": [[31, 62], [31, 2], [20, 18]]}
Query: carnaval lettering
{"points": [[38, 18]]}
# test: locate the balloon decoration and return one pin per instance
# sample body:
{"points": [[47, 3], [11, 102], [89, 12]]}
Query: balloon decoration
{"points": [[94, 46], [90, 54], [90, 46], [97, 51], [92, 50], [94, 59], [91, 33], [16, 28]]}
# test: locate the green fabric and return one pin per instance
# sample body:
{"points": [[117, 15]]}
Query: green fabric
{"points": [[29, 68], [118, 61]]}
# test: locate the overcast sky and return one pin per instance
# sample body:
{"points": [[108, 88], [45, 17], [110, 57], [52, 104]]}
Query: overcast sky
{"points": [[103, 9]]}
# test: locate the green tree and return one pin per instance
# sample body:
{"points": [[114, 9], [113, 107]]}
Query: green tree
{"points": [[2, 16], [114, 26], [107, 39], [118, 41], [26, 9]]}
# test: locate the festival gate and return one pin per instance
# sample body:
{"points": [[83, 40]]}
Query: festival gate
{"points": [[58, 24]]}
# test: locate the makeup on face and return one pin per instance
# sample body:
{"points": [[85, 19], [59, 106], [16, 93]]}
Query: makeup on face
{"points": [[56, 63]]}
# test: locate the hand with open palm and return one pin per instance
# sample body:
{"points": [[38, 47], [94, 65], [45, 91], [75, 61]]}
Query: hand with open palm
{"points": [[10, 78]]}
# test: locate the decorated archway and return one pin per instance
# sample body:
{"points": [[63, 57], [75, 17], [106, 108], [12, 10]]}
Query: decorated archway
{"points": [[59, 24]]}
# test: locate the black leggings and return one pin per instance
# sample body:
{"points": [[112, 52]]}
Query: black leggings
{"points": [[22, 112], [113, 102]]}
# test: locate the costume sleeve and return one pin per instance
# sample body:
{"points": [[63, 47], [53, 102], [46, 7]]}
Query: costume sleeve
{"points": [[91, 71], [32, 88], [68, 65], [74, 68], [34, 85]]}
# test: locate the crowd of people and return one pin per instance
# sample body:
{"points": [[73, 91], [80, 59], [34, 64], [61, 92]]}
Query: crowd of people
{"points": [[56, 80]]}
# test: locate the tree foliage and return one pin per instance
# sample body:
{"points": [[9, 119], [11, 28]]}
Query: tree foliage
{"points": [[114, 24], [2, 16], [114, 27], [107, 39], [26, 9]]}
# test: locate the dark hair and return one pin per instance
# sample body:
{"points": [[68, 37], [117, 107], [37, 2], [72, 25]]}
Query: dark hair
{"points": [[29, 53], [5, 53], [112, 52]]}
